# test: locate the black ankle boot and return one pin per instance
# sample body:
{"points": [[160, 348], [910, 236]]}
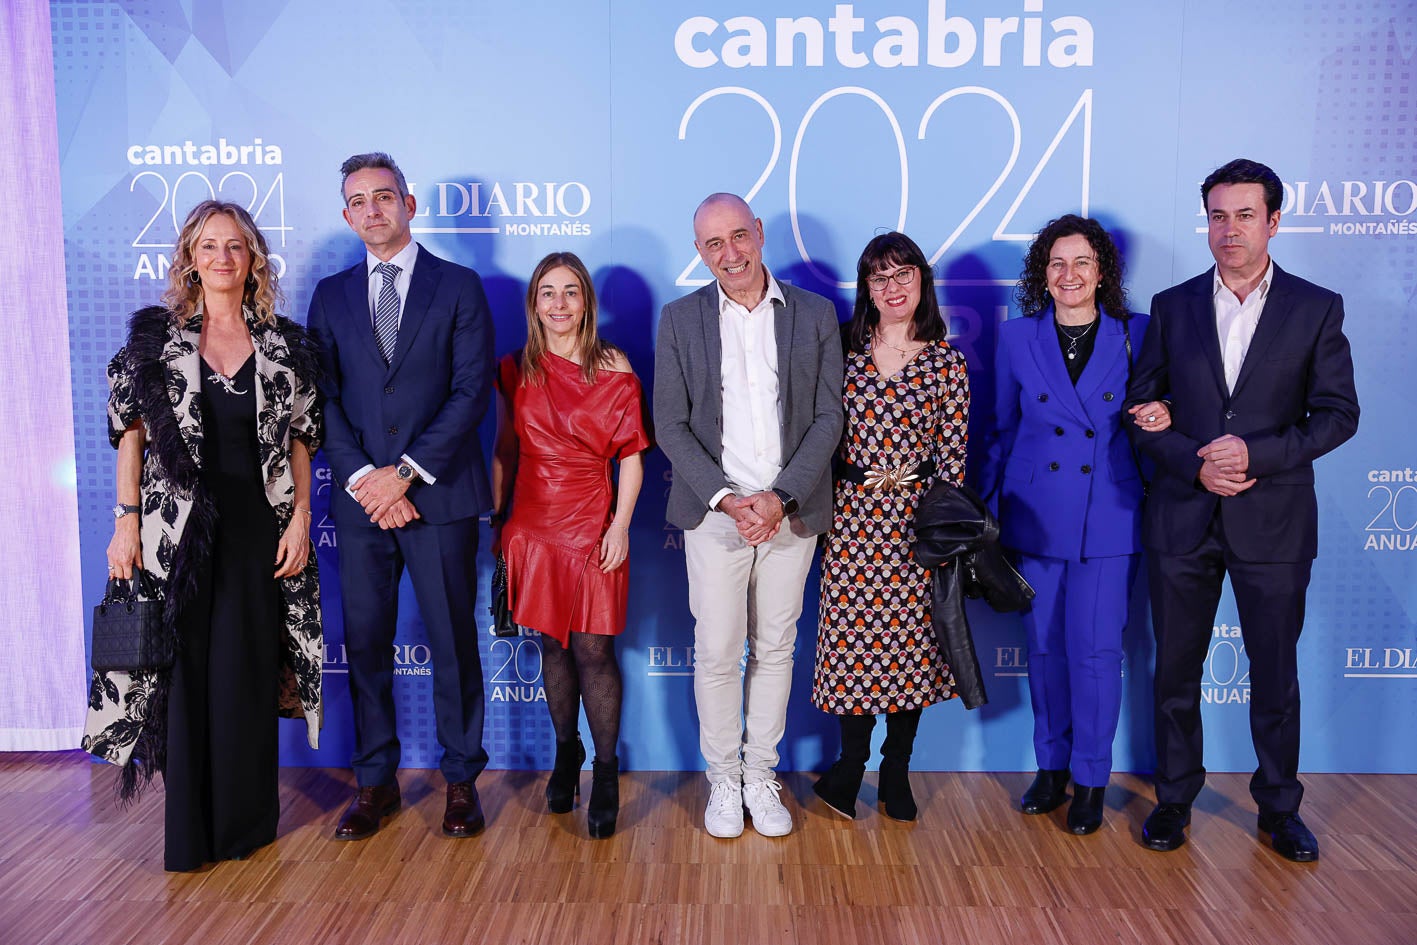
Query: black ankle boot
{"points": [[839, 787], [1047, 792], [894, 792], [604, 806], [565, 782], [1085, 812]]}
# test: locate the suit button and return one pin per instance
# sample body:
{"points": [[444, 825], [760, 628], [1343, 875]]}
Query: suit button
{"points": [[389, 389], [1229, 415], [393, 431], [1086, 470], [1058, 430], [1042, 398], [1090, 434], [1053, 467], [1108, 396]]}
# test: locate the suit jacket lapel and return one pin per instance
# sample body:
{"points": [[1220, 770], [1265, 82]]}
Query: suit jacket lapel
{"points": [[713, 347], [1049, 359], [356, 299], [1266, 330], [1202, 315], [784, 320], [182, 370], [421, 287], [273, 370], [1108, 349]]}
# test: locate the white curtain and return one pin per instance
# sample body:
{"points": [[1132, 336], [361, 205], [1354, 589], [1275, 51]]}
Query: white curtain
{"points": [[42, 660]]}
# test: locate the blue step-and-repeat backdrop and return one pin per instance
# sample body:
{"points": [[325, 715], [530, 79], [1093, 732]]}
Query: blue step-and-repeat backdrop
{"points": [[597, 126]]}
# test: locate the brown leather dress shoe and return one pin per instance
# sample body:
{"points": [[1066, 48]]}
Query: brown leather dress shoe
{"points": [[366, 812], [463, 815]]}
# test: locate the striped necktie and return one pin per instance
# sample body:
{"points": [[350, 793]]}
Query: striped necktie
{"points": [[386, 311]]}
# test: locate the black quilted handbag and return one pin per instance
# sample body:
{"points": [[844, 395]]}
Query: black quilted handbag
{"points": [[128, 635], [502, 623]]}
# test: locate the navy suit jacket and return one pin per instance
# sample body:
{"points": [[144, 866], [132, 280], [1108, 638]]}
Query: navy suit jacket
{"points": [[1068, 481], [1294, 401], [426, 402]]}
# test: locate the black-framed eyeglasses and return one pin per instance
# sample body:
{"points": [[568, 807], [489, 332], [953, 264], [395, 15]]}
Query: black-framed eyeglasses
{"points": [[905, 275]]}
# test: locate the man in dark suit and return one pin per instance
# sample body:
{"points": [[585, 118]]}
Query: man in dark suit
{"points": [[407, 343], [747, 403], [1260, 377]]}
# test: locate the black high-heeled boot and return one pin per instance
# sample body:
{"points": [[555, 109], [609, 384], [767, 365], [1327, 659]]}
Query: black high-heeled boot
{"points": [[564, 784], [1047, 792], [894, 791], [1085, 812], [842, 781], [604, 806]]}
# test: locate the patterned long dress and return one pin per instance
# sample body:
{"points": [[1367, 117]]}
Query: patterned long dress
{"points": [[875, 650]]}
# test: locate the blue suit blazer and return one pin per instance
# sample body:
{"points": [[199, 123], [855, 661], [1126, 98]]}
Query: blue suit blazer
{"points": [[426, 402], [1294, 401], [1068, 481]]}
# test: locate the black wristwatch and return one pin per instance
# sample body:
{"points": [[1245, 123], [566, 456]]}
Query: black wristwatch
{"points": [[789, 504], [406, 472], [121, 510]]}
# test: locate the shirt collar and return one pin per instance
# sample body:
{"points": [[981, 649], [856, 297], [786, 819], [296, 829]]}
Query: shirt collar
{"points": [[403, 258], [774, 293], [1216, 283]]}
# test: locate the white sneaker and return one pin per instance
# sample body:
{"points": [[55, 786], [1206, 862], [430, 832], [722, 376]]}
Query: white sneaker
{"points": [[724, 815], [770, 818]]}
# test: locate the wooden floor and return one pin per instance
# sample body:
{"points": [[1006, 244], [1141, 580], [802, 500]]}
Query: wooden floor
{"points": [[75, 869]]}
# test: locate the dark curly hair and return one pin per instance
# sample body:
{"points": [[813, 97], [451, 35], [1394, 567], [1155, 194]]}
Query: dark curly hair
{"points": [[885, 251], [1032, 292]]}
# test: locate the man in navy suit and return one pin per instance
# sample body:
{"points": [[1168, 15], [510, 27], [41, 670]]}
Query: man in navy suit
{"points": [[1260, 377], [407, 343]]}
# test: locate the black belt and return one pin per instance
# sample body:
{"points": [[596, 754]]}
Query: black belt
{"points": [[884, 478]]}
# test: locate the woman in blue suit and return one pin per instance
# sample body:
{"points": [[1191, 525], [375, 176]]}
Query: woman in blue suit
{"points": [[1070, 495]]}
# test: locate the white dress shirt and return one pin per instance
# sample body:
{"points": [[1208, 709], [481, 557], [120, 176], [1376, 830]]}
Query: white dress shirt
{"points": [[404, 259], [752, 416], [1235, 322]]}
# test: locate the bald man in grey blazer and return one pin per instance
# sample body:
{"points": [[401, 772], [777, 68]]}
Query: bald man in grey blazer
{"points": [[747, 404]]}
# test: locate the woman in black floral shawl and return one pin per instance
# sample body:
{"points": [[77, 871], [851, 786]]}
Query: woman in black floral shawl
{"points": [[213, 409]]}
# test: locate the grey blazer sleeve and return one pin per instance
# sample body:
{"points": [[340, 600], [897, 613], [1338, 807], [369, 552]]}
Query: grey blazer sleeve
{"points": [[678, 371]]}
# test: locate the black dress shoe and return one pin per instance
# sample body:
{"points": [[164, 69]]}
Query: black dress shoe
{"points": [[463, 815], [1085, 812], [1047, 792], [1165, 829], [367, 811], [565, 781], [1291, 839]]}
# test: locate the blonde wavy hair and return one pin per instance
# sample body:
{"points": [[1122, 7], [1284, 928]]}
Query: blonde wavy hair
{"points": [[262, 291]]}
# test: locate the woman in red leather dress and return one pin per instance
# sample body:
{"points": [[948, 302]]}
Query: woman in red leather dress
{"points": [[570, 405]]}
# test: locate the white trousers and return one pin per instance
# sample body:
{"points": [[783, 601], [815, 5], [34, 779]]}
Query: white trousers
{"points": [[740, 594]]}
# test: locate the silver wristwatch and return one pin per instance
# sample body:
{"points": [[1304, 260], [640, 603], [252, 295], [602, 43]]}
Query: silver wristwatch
{"points": [[121, 510]]}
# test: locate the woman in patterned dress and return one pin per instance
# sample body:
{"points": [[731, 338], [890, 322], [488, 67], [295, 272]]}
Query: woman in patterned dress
{"points": [[213, 409], [906, 397], [570, 406]]}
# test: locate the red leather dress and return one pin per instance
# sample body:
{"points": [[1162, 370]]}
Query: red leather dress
{"points": [[568, 431]]}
